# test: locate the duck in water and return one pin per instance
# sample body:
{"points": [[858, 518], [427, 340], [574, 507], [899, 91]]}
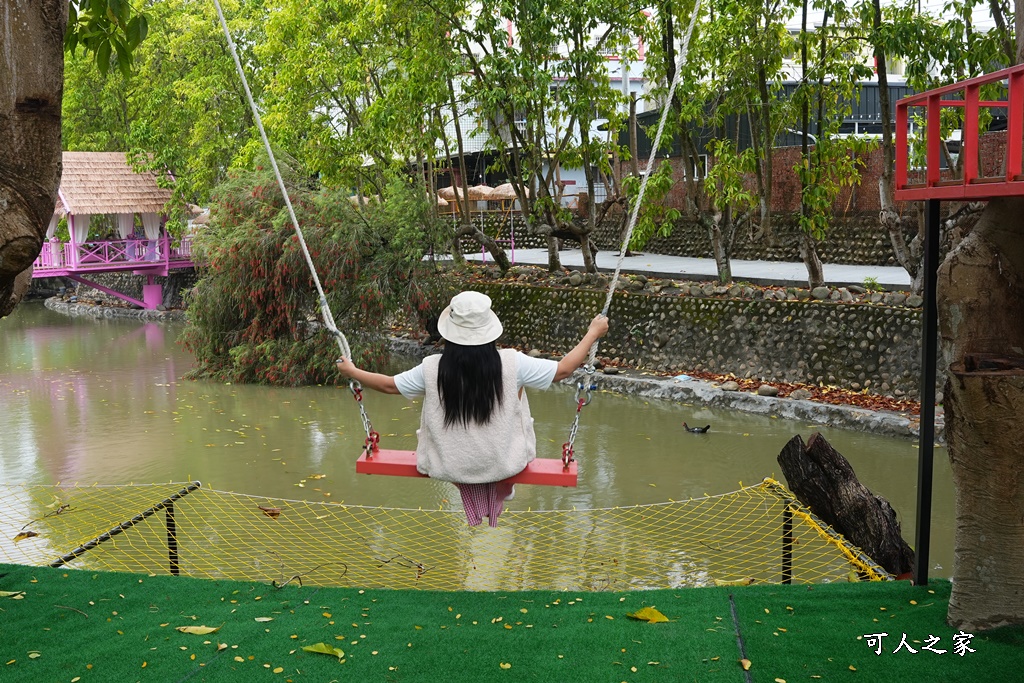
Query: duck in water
{"points": [[696, 430]]}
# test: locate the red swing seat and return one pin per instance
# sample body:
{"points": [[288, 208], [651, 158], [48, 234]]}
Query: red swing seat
{"points": [[542, 471]]}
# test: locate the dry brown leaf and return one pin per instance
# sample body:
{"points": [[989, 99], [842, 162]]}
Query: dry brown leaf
{"points": [[25, 534], [273, 513]]}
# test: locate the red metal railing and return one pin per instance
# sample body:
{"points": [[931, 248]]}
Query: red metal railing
{"points": [[972, 185]]}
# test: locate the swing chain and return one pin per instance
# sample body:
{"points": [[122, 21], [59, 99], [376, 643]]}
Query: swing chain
{"points": [[584, 387], [371, 444]]}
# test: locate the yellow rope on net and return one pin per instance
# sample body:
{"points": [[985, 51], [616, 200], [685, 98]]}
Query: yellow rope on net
{"points": [[756, 534]]}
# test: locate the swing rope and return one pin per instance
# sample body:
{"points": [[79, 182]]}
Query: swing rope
{"points": [[372, 437], [586, 385]]}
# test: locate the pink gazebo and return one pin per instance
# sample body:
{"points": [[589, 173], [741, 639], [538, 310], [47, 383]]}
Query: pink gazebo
{"points": [[103, 184]]}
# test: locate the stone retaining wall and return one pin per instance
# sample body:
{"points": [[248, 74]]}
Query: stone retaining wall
{"points": [[852, 345], [856, 345]]}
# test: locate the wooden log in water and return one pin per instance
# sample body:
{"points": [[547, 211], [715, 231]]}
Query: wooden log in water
{"points": [[824, 481]]}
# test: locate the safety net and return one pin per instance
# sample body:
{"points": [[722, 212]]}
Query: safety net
{"points": [[758, 534]]}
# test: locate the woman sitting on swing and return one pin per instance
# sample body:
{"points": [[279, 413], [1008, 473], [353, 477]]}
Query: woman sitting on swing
{"points": [[476, 429]]}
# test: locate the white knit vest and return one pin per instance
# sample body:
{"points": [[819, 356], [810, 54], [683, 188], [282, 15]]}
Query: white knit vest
{"points": [[476, 454]]}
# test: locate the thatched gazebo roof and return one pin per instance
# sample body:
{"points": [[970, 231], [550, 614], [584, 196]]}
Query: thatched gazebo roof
{"points": [[506, 192], [480, 192], [103, 182], [449, 193]]}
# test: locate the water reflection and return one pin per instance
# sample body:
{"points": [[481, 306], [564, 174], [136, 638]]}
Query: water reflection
{"points": [[89, 400]]}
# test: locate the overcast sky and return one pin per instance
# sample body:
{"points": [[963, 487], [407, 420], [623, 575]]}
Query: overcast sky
{"points": [[982, 18]]}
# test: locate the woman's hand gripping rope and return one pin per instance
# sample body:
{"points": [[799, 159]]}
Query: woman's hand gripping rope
{"points": [[585, 384]]}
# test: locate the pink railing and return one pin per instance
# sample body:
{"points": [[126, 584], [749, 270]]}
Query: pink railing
{"points": [[107, 255]]}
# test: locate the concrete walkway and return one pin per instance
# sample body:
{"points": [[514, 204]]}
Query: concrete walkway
{"points": [[688, 268]]}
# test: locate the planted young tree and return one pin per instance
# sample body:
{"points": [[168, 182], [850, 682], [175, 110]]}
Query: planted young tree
{"points": [[751, 38], [539, 83], [828, 85], [590, 31], [731, 200], [733, 72], [697, 116], [507, 49]]}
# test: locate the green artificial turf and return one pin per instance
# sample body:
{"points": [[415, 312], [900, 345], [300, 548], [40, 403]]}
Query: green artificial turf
{"points": [[98, 626], [797, 633]]}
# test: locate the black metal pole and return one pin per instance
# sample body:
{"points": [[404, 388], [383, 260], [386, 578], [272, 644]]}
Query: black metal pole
{"points": [[787, 544], [123, 526], [929, 356], [172, 541]]}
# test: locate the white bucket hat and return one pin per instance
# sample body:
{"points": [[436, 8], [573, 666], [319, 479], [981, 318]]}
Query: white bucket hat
{"points": [[469, 320]]}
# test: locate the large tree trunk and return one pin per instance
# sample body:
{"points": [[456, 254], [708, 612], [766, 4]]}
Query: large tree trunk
{"points": [[980, 289], [31, 86], [824, 481]]}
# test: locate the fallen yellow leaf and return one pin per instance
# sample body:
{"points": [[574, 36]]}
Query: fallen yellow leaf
{"points": [[745, 663], [262, 619], [648, 614], [505, 665], [198, 630], [737, 582], [11, 594], [325, 649], [25, 534]]}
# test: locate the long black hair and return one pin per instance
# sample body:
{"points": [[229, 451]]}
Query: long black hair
{"points": [[469, 383]]}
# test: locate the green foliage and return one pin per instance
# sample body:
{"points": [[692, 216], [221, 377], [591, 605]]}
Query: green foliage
{"points": [[725, 182], [110, 29], [654, 219], [181, 109], [252, 314], [871, 284], [834, 164]]}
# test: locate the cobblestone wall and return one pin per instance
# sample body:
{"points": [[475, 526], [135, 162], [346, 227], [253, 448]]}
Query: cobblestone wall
{"points": [[855, 346]]}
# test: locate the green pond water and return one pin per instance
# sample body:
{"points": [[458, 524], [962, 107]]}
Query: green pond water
{"points": [[103, 401]]}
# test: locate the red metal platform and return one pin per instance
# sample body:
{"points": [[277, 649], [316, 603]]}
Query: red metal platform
{"points": [[972, 186], [542, 471]]}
